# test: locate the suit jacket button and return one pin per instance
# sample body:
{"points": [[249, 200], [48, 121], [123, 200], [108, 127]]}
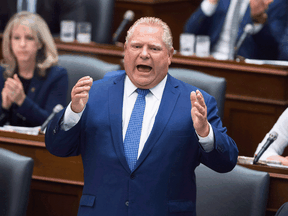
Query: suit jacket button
{"points": [[54, 131], [127, 203], [132, 176]]}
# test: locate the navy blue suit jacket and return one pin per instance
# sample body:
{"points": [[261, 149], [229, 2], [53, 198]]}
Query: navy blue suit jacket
{"points": [[163, 182], [43, 95], [263, 45]]}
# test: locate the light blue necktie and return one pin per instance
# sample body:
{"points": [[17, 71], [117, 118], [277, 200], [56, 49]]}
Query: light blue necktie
{"points": [[133, 133]]}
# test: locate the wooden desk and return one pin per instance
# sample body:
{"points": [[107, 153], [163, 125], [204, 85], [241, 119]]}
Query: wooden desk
{"points": [[278, 191], [57, 183], [256, 95]]}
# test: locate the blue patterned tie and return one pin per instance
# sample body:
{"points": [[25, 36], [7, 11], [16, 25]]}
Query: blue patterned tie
{"points": [[132, 137]]}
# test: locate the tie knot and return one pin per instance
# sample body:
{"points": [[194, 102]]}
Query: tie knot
{"points": [[143, 92]]}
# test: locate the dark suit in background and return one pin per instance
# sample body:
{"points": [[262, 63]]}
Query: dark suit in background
{"points": [[52, 11], [263, 45]]}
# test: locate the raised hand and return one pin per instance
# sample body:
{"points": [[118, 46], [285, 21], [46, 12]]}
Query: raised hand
{"points": [[258, 10], [6, 102], [80, 94], [199, 113], [15, 91]]}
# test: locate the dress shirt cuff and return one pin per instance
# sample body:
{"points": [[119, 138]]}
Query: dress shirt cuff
{"points": [[208, 8], [257, 28], [70, 118], [207, 142]]}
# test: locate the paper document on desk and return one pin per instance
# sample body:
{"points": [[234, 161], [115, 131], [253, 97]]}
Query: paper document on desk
{"points": [[249, 160], [267, 62], [19, 129], [277, 165]]}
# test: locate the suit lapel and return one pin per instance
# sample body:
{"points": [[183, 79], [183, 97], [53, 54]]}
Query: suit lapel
{"points": [[115, 113], [167, 105]]}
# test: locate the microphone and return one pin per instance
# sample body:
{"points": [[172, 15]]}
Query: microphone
{"points": [[128, 17], [249, 29], [56, 109], [272, 137]]}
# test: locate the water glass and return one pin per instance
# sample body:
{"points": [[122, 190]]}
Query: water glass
{"points": [[187, 43], [84, 32], [202, 46], [67, 31]]}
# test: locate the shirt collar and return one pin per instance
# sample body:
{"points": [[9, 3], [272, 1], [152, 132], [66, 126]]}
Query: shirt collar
{"points": [[157, 90]]}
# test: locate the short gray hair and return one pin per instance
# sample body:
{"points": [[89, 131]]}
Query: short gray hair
{"points": [[153, 21]]}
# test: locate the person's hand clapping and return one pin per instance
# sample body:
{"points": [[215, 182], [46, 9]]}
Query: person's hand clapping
{"points": [[6, 102], [80, 93], [258, 10], [14, 91], [199, 113]]}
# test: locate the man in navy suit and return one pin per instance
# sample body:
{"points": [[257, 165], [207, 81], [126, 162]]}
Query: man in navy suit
{"points": [[215, 18], [180, 130]]}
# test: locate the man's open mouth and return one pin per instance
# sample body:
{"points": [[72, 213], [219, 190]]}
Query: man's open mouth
{"points": [[144, 68]]}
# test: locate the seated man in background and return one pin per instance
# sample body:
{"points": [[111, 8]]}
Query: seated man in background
{"points": [[31, 84], [52, 11], [224, 21], [277, 147]]}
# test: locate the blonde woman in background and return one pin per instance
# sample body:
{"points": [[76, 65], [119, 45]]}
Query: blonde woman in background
{"points": [[32, 85]]}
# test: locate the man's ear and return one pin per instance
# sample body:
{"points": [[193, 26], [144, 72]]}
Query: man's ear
{"points": [[170, 55]]}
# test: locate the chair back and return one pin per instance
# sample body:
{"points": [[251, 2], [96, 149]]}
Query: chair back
{"points": [[283, 210], [240, 192], [15, 179], [79, 66], [100, 14], [215, 86]]}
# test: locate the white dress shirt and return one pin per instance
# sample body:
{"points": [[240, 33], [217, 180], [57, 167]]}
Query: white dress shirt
{"points": [[31, 7], [278, 146], [153, 100], [221, 49]]}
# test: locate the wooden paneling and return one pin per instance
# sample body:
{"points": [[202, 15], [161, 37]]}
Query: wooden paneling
{"points": [[48, 198]]}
